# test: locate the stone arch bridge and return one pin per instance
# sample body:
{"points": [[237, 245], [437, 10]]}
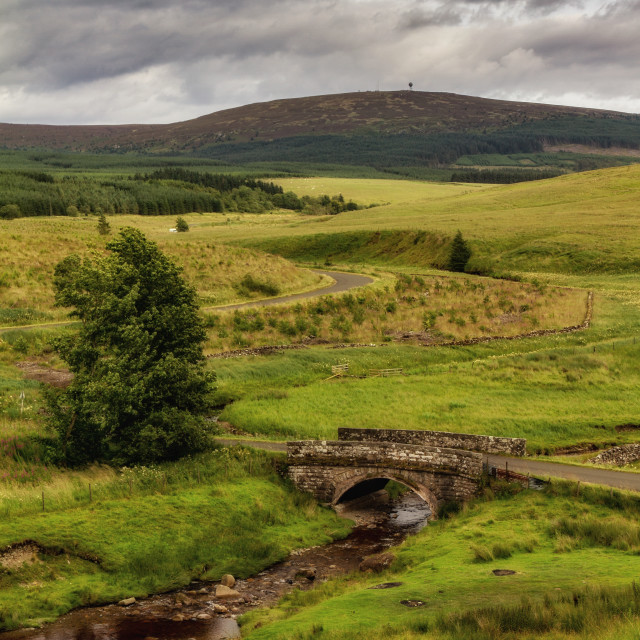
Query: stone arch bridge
{"points": [[438, 466]]}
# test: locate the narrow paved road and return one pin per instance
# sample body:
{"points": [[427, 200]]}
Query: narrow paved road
{"points": [[542, 469], [537, 468], [342, 282]]}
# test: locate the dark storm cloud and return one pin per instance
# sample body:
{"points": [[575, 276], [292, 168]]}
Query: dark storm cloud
{"points": [[83, 40], [163, 60], [417, 18]]}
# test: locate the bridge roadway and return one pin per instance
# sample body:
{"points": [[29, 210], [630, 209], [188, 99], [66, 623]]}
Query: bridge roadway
{"points": [[537, 468]]}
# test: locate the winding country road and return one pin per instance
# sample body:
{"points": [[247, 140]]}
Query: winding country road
{"points": [[342, 282], [537, 468]]}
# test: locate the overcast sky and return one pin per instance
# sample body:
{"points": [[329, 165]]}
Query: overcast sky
{"points": [[159, 61]]}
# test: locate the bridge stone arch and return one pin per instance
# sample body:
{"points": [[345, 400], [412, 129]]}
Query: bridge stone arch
{"points": [[328, 469], [353, 477]]}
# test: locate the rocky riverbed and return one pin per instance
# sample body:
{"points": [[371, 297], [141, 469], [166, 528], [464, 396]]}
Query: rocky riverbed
{"points": [[208, 610]]}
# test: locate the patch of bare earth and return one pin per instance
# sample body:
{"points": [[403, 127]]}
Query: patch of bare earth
{"points": [[60, 378], [16, 557]]}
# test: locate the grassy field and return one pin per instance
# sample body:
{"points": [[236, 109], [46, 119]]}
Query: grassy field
{"points": [[407, 308], [578, 231], [147, 529], [31, 247], [577, 224], [556, 391], [574, 560], [554, 396]]}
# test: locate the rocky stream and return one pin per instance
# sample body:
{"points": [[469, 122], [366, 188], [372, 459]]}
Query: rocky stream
{"points": [[208, 610]]}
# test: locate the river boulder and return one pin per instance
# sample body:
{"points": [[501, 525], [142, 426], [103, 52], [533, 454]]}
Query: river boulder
{"points": [[226, 593], [228, 580], [378, 562]]}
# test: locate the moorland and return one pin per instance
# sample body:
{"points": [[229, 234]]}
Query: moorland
{"points": [[482, 351]]}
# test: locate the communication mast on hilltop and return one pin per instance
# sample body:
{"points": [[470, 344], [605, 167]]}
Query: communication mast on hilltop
{"points": [[411, 86]]}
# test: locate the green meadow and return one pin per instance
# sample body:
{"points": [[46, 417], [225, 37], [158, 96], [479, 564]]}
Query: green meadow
{"points": [[103, 536], [538, 248], [573, 558], [556, 391], [579, 224]]}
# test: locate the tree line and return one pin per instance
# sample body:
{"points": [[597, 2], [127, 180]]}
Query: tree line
{"points": [[503, 176], [418, 148], [170, 191]]}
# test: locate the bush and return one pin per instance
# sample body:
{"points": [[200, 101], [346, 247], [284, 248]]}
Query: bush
{"points": [[104, 228], [481, 553], [10, 211], [253, 285]]}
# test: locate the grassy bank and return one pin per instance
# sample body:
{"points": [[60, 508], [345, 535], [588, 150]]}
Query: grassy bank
{"points": [[556, 391], [573, 558], [580, 223], [428, 309], [104, 536], [31, 248]]}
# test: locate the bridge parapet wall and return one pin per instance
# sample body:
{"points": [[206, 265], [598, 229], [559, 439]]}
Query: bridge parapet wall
{"points": [[485, 444], [396, 455]]}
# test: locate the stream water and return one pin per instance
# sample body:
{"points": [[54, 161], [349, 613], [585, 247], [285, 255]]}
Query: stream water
{"points": [[196, 614]]}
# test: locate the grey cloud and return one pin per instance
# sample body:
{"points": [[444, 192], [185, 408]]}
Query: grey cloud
{"points": [[417, 18], [128, 60]]}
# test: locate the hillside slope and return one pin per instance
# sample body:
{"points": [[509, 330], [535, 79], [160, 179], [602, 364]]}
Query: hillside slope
{"points": [[391, 112], [581, 223]]}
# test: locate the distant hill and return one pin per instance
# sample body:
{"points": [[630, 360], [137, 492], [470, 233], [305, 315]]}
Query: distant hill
{"points": [[368, 128]]}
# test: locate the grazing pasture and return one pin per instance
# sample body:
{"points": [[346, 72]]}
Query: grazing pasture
{"points": [[573, 554]]}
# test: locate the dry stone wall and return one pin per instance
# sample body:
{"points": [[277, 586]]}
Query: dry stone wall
{"points": [[484, 444], [624, 454]]}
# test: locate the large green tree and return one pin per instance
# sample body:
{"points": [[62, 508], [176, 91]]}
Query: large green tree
{"points": [[140, 389]]}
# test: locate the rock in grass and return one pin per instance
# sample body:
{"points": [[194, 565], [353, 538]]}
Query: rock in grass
{"points": [[306, 572], [223, 592], [228, 580], [127, 602], [378, 562]]}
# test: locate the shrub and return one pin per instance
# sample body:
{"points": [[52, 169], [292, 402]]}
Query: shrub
{"points": [[481, 553], [104, 228], [10, 211], [253, 285]]}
